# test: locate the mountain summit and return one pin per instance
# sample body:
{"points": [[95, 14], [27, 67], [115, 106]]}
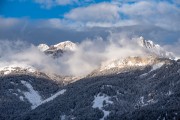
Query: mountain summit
{"points": [[66, 45], [153, 48], [59, 49]]}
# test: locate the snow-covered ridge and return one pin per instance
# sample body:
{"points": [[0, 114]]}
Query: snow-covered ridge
{"points": [[128, 62], [16, 68]]}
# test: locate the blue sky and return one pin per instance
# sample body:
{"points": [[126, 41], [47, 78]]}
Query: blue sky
{"points": [[35, 10], [32, 10], [52, 21]]}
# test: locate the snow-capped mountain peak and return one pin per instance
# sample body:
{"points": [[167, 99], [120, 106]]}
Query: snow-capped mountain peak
{"points": [[155, 49], [59, 49], [66, 45], [147, 43], [43, 47]]}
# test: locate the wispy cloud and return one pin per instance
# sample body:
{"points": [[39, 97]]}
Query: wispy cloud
{"points": [[89, 55], [102, 12]]}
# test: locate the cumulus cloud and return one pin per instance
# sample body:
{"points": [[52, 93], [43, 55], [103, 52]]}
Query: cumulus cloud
{"points": [[161, 14], [122, 13], [102, 12]]}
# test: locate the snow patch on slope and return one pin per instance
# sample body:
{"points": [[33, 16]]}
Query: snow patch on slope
{"points": [[49, 99], [98, 103], [32, 96], [157, 66]]}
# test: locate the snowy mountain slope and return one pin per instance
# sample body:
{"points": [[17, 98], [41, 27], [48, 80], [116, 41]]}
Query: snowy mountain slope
{"points": [[133, 62], [19, 93], [138, 83], [24, 69], [110, 97]]}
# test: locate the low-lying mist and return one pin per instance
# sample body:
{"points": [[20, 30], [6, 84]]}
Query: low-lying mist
{"points": [[89, 55]]}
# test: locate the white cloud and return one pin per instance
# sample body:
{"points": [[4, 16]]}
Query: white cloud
{"points": [[104, 12], [116, 14], [160, 14], [140, 8]]}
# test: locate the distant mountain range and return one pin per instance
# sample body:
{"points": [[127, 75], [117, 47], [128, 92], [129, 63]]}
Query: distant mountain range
{"points": [[58, 49], [135, 87]]}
